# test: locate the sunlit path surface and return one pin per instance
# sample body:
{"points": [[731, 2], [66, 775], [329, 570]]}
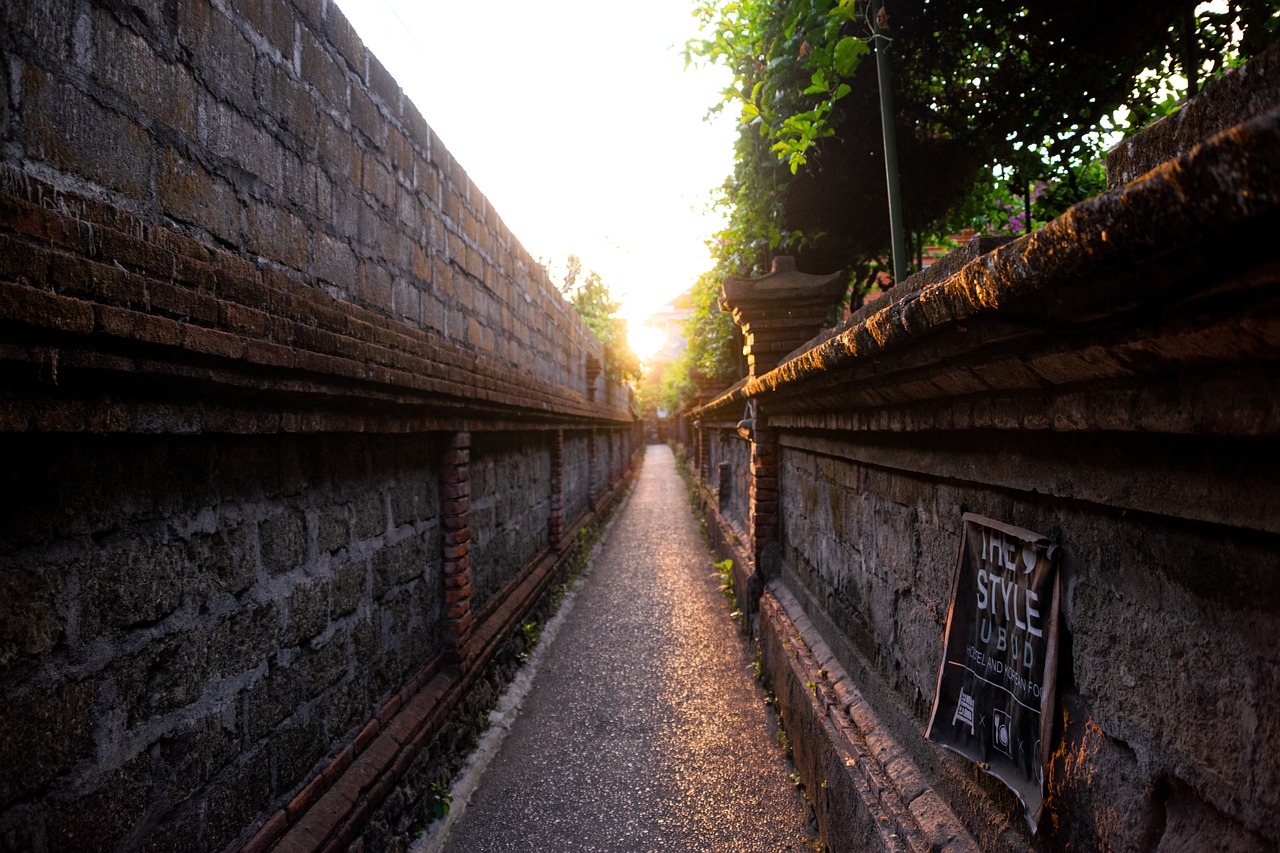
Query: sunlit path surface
{"points": [[644, 730]]}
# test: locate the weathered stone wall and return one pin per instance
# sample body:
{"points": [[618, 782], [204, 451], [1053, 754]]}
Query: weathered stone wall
{"points": [[727, 446], [1110, 382], [577, 475], [1169, 619], [510, 505], [190, 622], [269, 127], [278, 392]]}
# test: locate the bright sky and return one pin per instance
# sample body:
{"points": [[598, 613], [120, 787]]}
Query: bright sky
{"points": [[579, 122]]}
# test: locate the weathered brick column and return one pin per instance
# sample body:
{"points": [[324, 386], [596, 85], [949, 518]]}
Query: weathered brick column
{"points": [[455, 506], [764, 498], [555, 526]]}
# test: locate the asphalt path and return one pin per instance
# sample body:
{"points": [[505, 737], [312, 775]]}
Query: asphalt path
{"points": [[643, 729]]}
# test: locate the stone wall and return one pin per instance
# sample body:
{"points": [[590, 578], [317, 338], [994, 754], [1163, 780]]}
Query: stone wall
{"points": [[733, 483], [1110, 382], [510, 505], [577, 475], [280, 395], [190, 622], [269, 128]]}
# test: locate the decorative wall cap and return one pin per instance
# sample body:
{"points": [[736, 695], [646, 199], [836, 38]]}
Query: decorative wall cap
{"points": [[784, 283]]}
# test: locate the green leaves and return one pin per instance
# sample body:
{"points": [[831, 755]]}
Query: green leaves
{"points": [[598, 309], [849, 51]]}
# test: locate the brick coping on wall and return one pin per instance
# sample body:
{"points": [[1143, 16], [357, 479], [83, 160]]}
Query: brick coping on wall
{"points": [[198, 339], [1118, 257]]}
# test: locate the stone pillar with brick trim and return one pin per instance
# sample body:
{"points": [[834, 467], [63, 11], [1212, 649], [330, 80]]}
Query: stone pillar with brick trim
{"points": [[777, 312], [555, 527], [780, 311], [455, 507], [764, 499]]}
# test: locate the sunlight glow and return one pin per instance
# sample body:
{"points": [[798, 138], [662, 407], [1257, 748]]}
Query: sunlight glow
{"points": [[645, 341], [577, 120]]}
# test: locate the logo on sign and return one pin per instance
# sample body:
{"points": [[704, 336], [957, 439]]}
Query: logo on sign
{"points": [[1001, 722]]}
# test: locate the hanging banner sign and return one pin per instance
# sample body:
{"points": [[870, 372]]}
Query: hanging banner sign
{"points": [[995, 697]]}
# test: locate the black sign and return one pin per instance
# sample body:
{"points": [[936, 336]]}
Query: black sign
{"points": [[994, 702]]}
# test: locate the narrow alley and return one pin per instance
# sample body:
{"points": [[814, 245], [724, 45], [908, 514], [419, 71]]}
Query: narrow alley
{"points": [[644, 729]]}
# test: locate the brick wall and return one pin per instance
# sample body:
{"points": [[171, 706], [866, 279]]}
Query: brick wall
{"points": [[279, 391], [1110, 382]]}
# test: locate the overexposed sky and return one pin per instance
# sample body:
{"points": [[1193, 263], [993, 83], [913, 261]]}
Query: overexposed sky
{"points": [[578, 121]]}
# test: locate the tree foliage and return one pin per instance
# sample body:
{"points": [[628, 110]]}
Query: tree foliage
{"points": [[590, 296], [995, 102], [712, 339]]}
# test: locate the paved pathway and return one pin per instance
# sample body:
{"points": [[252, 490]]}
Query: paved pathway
{"points": [[644, 730]]}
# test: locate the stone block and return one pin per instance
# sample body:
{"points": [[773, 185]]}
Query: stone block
{"points": [[378, 181], [347, 587], [370, 514], [343, 37], [376, 287], [223, 55], [189, 193], [406, 301], [321, 70], [196, 751], [308, 612], [237, 798], [102, 819], [383, 86], [31, 757], [67, 129], [366, 118], [296, 751], [334, 262], [166, 674], [48, 24], [283, 541], [415, 498], [324, 667], [132, 580], [398, 563], [343, 708], [239, 141], [274, 698], [277, 234], [124, 63], [276, 21], [286, 101], [244, 639], [333, 529], [30, 625]]}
